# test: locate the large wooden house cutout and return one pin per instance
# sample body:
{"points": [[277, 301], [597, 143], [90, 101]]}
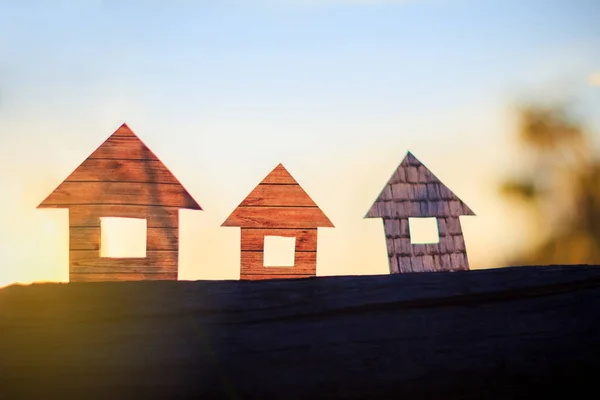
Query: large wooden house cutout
{"points": [[278, 208], [414, 192], [122, 179]]}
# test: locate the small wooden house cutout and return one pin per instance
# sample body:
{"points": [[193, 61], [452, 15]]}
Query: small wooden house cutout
{"points": [[124, 179], [278, 207], [414, 192]]}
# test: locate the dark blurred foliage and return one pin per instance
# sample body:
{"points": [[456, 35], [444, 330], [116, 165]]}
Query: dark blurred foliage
{"points": [[561, 188]]}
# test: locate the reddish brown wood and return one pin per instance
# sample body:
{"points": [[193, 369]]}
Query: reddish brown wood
{"points": [[253, 239], [89, 261], [122, 178], [278, 217], [123, 277], [280, 175], [252, 263], [119, 170], [88, 238], [278, 196], [278, 206], [260, 277], [156, 216], [70, 194]]}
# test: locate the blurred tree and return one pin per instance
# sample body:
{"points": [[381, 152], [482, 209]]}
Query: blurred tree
{"points": [[561, 190]]}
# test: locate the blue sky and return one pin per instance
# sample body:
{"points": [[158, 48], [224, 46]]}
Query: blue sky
{"points": [[337, 90]]}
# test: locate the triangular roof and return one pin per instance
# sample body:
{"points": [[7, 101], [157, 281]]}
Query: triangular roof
{"points": [[414, 191], [121, 171], [278, 202]]}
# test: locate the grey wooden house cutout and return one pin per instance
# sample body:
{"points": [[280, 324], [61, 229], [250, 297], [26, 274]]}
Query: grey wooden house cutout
{"points": [[413, 192]]}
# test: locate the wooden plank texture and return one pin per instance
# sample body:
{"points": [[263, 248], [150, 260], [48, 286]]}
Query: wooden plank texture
{"points": [[253, 239], [414, 191], [305, 263], [156, 216], [513, 333], [121, 171], [263, 277], [122, 277], [88, 238], [70, 194], [120, 147], [115, 170], [88, 261], [278, 217], [279, 175], [278, 195]]}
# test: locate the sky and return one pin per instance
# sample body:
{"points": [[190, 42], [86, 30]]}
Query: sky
{"points": [[338, 91]]}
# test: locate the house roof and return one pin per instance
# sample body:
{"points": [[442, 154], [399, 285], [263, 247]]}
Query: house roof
{"points": [[121, 171], [278, 202], [414, 191]]}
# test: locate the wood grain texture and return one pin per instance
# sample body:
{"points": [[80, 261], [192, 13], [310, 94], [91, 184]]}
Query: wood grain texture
{"points": [[90, 261], [253, 239], [156, 216], [116, 170], [278, 217], [511, 333], [122, 178], [259, 277], [279, 175], [122, 277], [122, 171], [414, 191], [88, 238], [70, 194], [251, 262], [407, 257], [278, 206], [278, 196], [123, 147]]}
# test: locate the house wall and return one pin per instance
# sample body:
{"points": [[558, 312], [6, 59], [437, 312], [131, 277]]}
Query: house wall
{"points": [[162, 247], [447, 255], [252, 254]]}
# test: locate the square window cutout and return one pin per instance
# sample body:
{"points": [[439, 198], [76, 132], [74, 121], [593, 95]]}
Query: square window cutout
{"points": [[279, 251], [423, 230], [122, 237]]}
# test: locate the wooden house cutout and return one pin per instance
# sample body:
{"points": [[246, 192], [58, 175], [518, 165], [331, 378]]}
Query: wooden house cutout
{"points": [[122, 178], [414, 192], [278, 207]]}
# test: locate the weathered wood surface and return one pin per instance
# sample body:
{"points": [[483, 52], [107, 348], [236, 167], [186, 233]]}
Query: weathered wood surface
{"points": [[128, 275], [88, 238], [278, 206], [278, 218], [278, 202], [121, 171], [122, 178], [414, 191], [251, 263], [162, 245], [278, 196], [155, 261], [279, 175], [118, 170], [254, 239], [156, 217], [514, 333], [71, 194]]}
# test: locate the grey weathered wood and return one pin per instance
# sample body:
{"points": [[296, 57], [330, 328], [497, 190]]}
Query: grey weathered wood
{"points": [[514, 333], [414, 191]]}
